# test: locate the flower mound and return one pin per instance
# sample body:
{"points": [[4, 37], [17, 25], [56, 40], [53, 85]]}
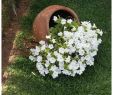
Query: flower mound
{"points": [[69, 49]]}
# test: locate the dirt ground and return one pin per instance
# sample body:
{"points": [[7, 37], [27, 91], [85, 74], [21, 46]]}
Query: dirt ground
{"points": [[8, 38]]}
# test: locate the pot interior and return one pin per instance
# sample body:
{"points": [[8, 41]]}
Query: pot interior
{"points": [[61, 13]]}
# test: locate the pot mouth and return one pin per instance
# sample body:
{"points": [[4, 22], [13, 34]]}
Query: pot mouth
{"points": [[62, 13]]}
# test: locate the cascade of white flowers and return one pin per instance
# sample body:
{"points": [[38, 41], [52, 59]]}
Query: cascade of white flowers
{"points": [[68, 52]]}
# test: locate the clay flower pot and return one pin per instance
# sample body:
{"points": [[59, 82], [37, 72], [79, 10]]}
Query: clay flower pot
{"points": [[41, 23]]}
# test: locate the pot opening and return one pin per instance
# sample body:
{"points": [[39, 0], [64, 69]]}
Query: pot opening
{"points": [[61, 13]]}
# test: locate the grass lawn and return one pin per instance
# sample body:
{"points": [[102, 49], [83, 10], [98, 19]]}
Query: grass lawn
{"points": [[24, 79]]}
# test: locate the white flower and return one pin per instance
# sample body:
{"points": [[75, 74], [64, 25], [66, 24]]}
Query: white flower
{"points": [[61, 50], [81, 52], [80, 29], [47, 64], [66, 50], [48, 36], [55, 18], [68, 34], [61, 65], [71, 41], [63, 21], [82, 68], [93, 53], [90, 62], [72, 50], [51, 46], [66, 72], [40, 68], [65, 27], [32, 58], [53, 40], [60, 34], [73, 29], [68, 59], [73, 65], [87, 24], [37, 49], [99, 41], [55, 75], [55, 70], [56, 53], [94, 26], [48, 55], [42, 42], [32, 50], [46, 71], [76, 50], [69, 21], [79, 72], [43, 47], [82, 59], [52, 60], [60, 58], [39, 58], [99, 32]]}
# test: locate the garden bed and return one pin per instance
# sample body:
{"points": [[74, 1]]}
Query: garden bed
{"points": [[24, 79]]}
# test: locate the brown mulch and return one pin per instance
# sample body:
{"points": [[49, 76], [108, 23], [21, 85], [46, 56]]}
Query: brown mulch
{"points": [[9, 36]]}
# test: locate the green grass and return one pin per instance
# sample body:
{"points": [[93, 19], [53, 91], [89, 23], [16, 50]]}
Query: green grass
{"points": [[20, 39], [96, 80]]}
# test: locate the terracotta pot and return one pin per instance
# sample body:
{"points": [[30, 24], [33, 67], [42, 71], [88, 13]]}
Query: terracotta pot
{"points": [[41, 22]]}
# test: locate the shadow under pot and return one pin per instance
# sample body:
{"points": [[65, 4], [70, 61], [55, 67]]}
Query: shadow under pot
{"points": [[44, 20]]}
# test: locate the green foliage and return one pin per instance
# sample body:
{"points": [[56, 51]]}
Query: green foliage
{"points": [[26, 23], [21, 37], [59, 27], [96, 80], [19, 40]]}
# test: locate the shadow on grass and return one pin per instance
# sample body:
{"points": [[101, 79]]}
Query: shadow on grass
{"points": [[25, 80]]}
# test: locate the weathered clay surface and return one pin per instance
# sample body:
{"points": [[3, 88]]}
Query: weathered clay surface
{"points": [[41, 22]]}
